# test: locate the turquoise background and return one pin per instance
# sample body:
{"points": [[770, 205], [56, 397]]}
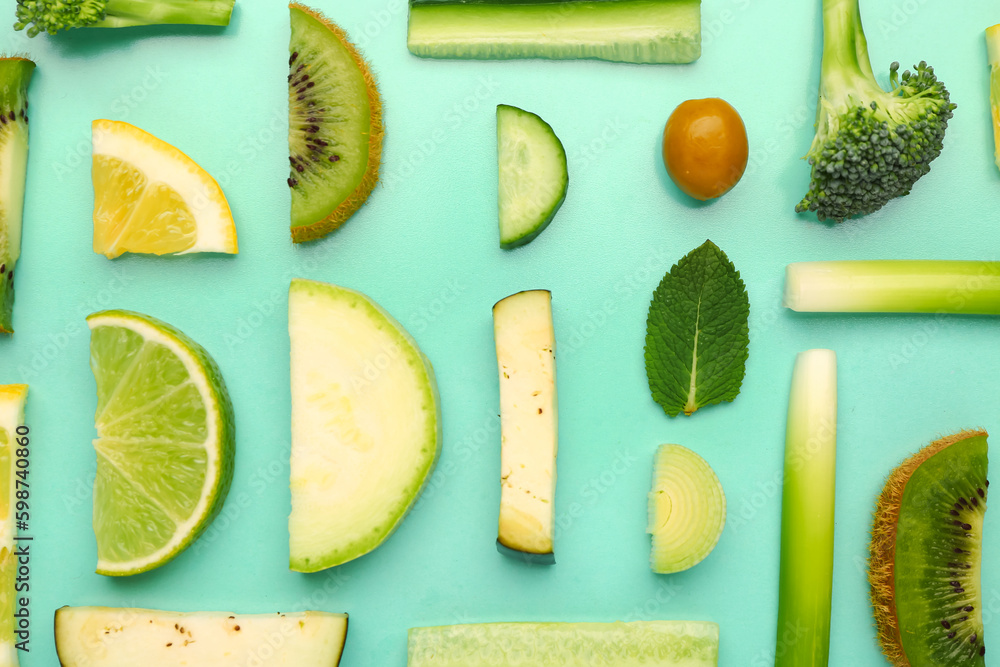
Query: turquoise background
{"points": [[425, 247]]}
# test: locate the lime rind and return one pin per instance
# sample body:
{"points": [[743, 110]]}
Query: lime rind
{"points": [[120, 485]]}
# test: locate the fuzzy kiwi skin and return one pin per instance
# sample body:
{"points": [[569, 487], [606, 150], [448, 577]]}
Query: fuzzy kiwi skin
{"points": [[359, 196], [15, 75], [930, 511]]}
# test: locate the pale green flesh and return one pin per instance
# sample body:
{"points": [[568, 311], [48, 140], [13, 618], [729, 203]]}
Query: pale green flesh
{"points": [[529, 424], [110, 637], [365, 424], [163, 459], [533, 176], [637, 644], [636, 31], [345, 122], [687, 509], [807, 513], [894, 286]]}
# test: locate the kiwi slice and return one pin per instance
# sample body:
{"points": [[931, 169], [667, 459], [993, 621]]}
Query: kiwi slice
{"points": [[334, 126], [15, 74], [926, 552], [687, 510]]}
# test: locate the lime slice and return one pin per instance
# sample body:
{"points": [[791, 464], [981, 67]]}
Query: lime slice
{"points": [[165, 441]]}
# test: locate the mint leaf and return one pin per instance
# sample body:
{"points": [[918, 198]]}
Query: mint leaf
{"points": [[697, 333]]}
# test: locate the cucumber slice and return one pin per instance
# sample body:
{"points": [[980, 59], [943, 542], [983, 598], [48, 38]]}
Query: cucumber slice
{"points": [[529, 425], [687, 510], [533, 175], [109, 637], [15, 74], [637, 644], [632, 31]]}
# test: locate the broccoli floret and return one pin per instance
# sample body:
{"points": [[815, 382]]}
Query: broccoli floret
{"points": [[871, 145], [51, 16]]}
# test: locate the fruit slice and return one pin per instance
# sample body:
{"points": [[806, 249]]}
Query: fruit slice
{"points": [[12, 397], [109, 637], [926, 553], [165, 441], [636, 644], [366, 424], [533, 176], [15, 74], [151, 198], [334, 126], [632, 31], [687, 509], [529, 424]]}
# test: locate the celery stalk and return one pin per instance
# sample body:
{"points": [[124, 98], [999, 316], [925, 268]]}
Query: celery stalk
{"points": [[993, 52], [894, 286], [806, 579]]}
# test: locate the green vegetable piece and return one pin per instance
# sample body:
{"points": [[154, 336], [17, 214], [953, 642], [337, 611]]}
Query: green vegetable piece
{"points": [[697, 333], [993, 53], [15, 74], [633, 31], [636, 644], [894, 286], [687, 510], [52, 16], [805, 586], [871, 145]]}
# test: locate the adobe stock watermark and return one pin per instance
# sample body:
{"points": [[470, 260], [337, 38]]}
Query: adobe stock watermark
{"points": [[378, 21], [585, 155], [80, 153], [644, 278], [592, 491], [455, 117], [52, 347], [423, 317]]}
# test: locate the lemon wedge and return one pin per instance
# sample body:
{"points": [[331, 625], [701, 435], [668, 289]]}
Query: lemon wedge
{"points": [[151, 198]]}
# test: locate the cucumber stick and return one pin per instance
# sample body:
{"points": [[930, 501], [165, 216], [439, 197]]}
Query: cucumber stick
{"points": [[633, 31], [641, 643], [533, 175]]}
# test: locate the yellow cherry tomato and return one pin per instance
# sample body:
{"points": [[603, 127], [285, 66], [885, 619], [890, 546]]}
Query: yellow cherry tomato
{"points": [[705, 147]]}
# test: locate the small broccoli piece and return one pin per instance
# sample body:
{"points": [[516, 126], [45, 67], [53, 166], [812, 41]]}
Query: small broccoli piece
{"points": [[52, 16], [871, 145]]}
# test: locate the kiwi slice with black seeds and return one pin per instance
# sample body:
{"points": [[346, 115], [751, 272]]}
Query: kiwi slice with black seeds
{"points": [[15, 74], [926, 552], [334, 126]]}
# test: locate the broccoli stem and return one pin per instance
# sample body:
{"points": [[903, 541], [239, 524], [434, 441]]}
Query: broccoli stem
{"points": [[124, 13], [846, 67]]}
